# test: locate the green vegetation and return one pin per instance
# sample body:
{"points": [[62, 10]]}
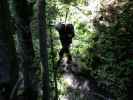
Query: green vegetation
{"points": [[103, 44], [102, 50]]}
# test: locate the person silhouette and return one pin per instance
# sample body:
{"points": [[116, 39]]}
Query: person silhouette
{"points": [[66, 33]]}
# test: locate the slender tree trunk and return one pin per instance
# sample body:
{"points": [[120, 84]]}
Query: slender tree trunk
{"points": [[23, 18], [42, 29], [8, 63], [54, 67]]}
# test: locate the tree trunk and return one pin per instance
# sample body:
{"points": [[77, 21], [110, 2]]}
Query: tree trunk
{"points": [[8, 63], [23, 18], [54, 67], [42, 29]]}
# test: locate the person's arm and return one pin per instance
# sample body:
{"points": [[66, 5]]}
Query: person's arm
{"points": [[71, 30]]}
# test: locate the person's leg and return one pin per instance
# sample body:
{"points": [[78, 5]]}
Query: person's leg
{"points": [[67, 51], [61, 53]]}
